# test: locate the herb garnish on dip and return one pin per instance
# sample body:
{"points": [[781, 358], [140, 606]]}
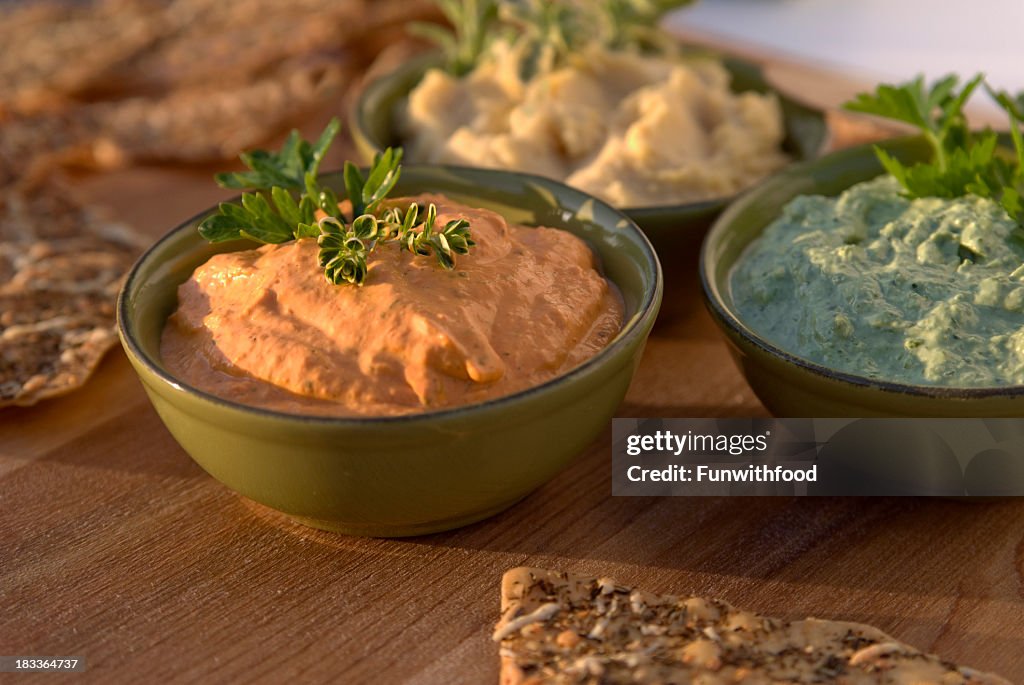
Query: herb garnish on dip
{"points": [[346, 237], [386, 332], [592, 93], [914, 277]]}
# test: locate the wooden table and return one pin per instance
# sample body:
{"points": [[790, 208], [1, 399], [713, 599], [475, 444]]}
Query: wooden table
{"points": [[116, 547]]}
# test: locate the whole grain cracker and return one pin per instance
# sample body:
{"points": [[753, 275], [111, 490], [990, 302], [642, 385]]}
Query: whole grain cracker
{"points": [[31, 146], [53, 50], [188, 81], [558, 628], [62, 264], [211, 43], [207, 125], [50, 358]]}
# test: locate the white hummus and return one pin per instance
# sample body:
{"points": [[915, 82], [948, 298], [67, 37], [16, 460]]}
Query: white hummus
{"points": [[635, 130]]}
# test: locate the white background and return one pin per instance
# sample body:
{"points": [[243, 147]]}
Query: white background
{"points": [[887, 40]]}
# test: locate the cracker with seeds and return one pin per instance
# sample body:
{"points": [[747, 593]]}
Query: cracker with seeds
{"points": [[54, 50], [558, 628], [31, 146], [210, 43], [61, 266], [187, 81], [211, 125]]}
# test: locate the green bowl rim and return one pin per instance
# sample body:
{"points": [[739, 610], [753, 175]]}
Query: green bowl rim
{"points": [[646, 311], [426, 59], [722, 313]]}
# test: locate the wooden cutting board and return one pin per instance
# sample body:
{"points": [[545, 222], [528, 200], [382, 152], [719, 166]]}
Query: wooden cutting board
{"points": [[115, 547]]}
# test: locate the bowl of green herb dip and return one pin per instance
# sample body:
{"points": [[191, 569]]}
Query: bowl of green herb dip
{"points": [[882, 280]]}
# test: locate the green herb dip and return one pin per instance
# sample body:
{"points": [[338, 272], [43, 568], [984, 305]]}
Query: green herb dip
{"points": [[927, 291]]}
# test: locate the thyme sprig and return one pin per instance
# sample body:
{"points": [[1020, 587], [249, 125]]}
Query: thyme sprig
{"points": [[345, 248], [346, 236], [454, 238], [964, 162]]}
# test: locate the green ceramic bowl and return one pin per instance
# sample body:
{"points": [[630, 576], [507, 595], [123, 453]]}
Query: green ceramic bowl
{"points": [[790, 385], [405, 475], [674, 230]]}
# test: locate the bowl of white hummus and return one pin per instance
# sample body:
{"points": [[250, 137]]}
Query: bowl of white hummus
{"points": [[669, 141], [423, 399]]}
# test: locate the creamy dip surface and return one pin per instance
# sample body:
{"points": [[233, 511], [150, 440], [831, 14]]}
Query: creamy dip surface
{"points": [[925, 291], [632, 129], [263, 327]]}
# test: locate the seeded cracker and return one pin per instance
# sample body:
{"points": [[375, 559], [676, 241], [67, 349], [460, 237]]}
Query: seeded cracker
{"points": [[197, 124], [216, 43], [558, 628], [53, 50], [205, 125], [32, 146], [61, 266]]}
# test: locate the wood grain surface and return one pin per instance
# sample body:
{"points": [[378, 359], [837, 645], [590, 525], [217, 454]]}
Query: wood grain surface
{"points": [[115, 547]]}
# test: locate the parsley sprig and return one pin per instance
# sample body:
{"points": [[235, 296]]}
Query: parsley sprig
{"points": [[964, 162], [346, 237], [632, 22], [471, 32], [544, 32]]}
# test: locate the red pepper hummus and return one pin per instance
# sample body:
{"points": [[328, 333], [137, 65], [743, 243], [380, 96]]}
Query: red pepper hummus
{"points": [[263, 327]]}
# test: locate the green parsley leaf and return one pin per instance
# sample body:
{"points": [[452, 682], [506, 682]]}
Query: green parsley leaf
{"points": [[472, 23], [545, 32], [273, 213], [287, 168], [964, 162]]}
